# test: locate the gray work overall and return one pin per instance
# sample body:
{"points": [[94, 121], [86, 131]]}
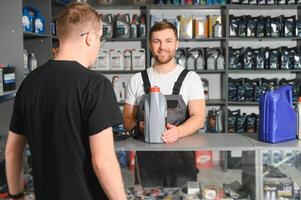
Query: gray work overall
{"points": [[166, 168]]}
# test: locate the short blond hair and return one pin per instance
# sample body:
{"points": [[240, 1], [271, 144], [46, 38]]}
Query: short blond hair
{"points": [[74, 18]]}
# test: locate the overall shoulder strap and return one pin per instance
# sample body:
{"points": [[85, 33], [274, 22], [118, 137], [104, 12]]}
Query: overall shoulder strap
{"points": [[146, 83], [178, 84]]}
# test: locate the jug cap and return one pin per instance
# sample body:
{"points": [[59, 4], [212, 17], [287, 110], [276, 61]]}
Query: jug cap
{"points": [[154, 89]]}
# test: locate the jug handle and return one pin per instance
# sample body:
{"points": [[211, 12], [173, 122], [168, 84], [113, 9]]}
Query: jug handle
{"points": [[287, 92]]}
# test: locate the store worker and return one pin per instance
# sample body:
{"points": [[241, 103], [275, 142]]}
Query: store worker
{"points": [[166, 168], [65, 113]]}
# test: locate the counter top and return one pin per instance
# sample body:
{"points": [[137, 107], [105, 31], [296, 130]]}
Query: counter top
{"points": [[206, 141], [293, 144], [197, 141]]}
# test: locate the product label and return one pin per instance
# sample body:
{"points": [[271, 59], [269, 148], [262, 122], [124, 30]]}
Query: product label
{"points": [[26, 23], [9, 78], [38, 26]]}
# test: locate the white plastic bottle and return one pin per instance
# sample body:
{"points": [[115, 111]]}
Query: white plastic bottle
{"points": [[33, 63], [299, 119], [26, 70]]}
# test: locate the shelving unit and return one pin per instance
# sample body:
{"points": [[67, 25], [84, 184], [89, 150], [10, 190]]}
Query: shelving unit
{"points": [[6, 96], [225, 42]]}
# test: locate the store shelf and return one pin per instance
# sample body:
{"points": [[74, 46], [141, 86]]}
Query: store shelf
{"points": [[212, 102], [201, 39], [210, 71], [6, 96], [187, 7], [243, 103], [54, 38], [198, 141], [29, 35], [109, 6], [125, 39], [57, 3], [244, 39], [263, 7], [119, 71], [264, 71]]}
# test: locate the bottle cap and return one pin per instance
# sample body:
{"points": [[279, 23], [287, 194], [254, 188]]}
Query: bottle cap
{"points": [[154, 89], [299, 99]]}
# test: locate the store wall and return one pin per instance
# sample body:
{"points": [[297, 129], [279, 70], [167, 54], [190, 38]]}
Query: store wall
{"points": [[11, 51]]}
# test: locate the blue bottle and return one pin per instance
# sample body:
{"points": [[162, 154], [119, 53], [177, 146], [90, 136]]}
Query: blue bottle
{"points": [[39, 24], [27, 20]]}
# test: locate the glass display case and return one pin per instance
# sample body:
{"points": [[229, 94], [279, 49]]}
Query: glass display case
{"points": [[278, 170], [225, 166]]}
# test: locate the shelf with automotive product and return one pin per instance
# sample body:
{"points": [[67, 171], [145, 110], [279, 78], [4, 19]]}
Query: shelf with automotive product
{"points": [[263, 71], [118, 71], [264, 39], [54, 38], [262, 7], [125, 39], [210, 71], [7, 96], [186, 7], [59, 3], [30, 35], [202, 39]]}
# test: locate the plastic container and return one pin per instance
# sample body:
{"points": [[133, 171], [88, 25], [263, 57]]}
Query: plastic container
{"points": [[299, 119], [32, 62], [278, 120], [155, 115]]}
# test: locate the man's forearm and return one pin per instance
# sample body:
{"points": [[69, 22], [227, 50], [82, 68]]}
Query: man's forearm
{"points": [[191, 125], [14, 172], [109, 175], [129, 123]]}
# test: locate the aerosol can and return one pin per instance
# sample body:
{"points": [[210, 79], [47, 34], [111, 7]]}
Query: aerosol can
{"points": [[155, 115]]}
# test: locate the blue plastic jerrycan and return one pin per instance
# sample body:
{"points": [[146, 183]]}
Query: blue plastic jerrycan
{"points": [[278, 120]]}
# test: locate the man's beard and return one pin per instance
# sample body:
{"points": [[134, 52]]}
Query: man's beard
{"points": [[165, 60]]}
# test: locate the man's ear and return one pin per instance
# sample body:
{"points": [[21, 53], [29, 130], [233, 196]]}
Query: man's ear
{"points": [[90, 38], [177, 44], [150, 45]]}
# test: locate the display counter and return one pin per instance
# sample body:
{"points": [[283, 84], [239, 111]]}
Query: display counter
{"points": [[267, 171]]}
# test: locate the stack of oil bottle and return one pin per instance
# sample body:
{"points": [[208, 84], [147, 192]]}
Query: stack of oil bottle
{"points": [[248, 90], [264, 26], [201, 58], [194, 27], [121, 26], [265, 58]]}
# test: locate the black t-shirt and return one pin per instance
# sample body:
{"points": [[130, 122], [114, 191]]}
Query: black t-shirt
{"points": [[58, 106]]}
